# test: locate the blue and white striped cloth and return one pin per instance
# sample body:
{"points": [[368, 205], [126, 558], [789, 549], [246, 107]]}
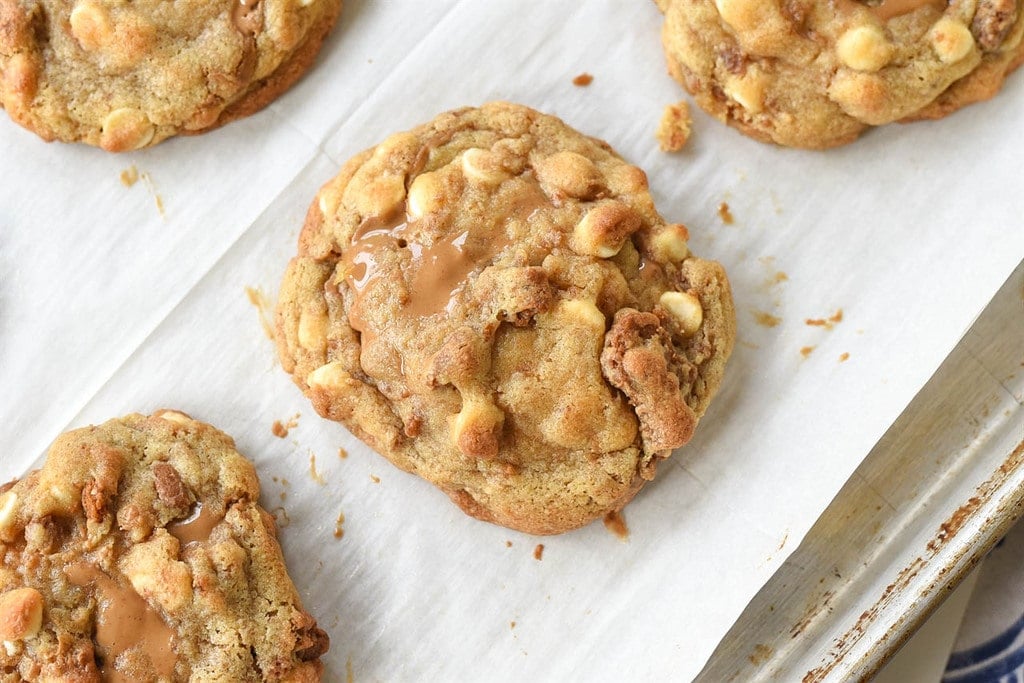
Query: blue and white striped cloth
{"points": [[990, 644]]}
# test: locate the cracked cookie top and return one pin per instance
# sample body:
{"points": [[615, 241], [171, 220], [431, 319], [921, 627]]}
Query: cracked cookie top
{"points": [[816, 73], [492, 301], [126, 75], [139, 553]]}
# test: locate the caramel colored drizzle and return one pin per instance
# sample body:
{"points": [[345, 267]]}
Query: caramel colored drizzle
{"points": [[126, 625], [195, 528], [436, 272]]}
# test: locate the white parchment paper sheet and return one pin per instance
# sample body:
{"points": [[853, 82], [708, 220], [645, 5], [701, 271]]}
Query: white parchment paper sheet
{"points": [[108, 306]]}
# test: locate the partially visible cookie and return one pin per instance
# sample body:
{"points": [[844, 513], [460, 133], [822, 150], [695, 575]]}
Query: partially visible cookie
{"points": [[816, 73], [139, 553], [126, 75], [492, 301]]}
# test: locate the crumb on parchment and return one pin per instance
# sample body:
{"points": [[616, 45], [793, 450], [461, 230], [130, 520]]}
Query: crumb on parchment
{"points": [[616, 523], [725, 213], [674, 128], [583, 80]]}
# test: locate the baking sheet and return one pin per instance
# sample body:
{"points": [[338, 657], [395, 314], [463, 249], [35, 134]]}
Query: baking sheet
{"points": [[108, 305]]}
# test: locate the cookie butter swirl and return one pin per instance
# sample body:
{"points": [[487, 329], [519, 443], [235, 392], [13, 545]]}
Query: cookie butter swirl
{"points": [[195, 528], [437, 270], [131, 636]]}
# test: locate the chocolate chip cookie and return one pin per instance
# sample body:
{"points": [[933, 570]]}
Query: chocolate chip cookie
{"points": [[139, 553], [817, 73], [492, 301], [126, 75]]}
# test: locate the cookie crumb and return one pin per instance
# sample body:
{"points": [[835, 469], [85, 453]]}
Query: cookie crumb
{"points": [[508, 544], [538, 552], [583, 80], [280, 429], [130, 176], [779, 277], [342, 453], [843, 357], [375, 479], [725, 214], [339, 530], [766, 319], [512, 625], [674, 127], [616, 523], [827, 323], [317, 477], [258, 299], [806, 351]]}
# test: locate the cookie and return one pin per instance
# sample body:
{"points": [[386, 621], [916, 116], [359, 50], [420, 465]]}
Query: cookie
{"points": [[128, 75], [139, 553], [818, 73], [492, 301]]}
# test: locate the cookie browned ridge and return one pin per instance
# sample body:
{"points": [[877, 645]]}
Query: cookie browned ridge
{"points": [[817, 73], [127, 76], [139, 553], [492, 301]]}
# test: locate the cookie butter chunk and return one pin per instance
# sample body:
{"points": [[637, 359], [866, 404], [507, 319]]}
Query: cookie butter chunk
{"points": [[111, 563], [523, 330]]}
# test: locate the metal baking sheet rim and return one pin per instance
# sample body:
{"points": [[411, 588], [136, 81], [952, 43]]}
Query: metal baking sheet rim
{"points": [[996, 524], [935, 494]]}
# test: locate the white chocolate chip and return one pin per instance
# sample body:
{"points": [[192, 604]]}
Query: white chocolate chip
{"points": [[747, 90], [475, 429], [380, 197], [570, 174], [669, 244], [61, 494], [604, 229], [864, 48], [90, 25], [126, 129], [581, 312], [685, 308], [425, 195], [8, 507], [21, 614], [313, 330], [951, 40], [481, 166], [330, 198], [331, 375], [175, 416]]}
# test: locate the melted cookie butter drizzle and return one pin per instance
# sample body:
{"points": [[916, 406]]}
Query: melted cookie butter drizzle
{"points": [[437, 272], [125, 623], [196, 527]]}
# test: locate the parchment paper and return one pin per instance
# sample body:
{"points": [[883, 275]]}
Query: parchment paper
{"points": [[108, 306]]}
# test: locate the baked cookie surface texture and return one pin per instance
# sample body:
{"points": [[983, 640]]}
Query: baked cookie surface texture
{"points": [[126, 75], [817, 73], [492, 301], [139, 553]]}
